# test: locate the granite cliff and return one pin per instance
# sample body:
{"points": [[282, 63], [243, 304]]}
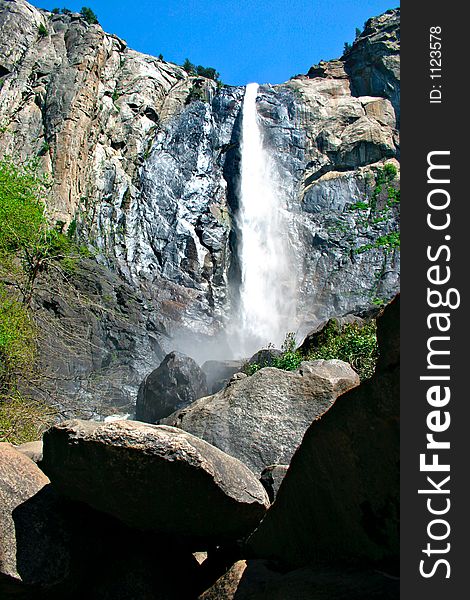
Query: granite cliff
{"points": [[144, 160]]}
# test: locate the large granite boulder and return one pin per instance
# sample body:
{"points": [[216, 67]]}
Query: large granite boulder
{"points": [[261, 419], [33, 539], [176, 383], [155, 478], [340, 497]]}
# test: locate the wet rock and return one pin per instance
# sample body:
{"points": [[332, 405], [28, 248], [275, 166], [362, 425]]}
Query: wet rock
{"points": [[155, 478], [340, 497], [219, 372], [175, 384], [261, 419]]}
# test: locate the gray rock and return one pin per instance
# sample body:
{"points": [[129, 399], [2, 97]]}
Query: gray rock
{"points": [[219, 372], [155, 478], [175, 384], [373, 63], [261, 419], [340, 496]]}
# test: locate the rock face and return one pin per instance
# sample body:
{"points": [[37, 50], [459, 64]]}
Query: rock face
{"points": [[150, 176], [33, 540], [373, 63], [175, 384], [340, 497], [155, 478], [261, 419]]}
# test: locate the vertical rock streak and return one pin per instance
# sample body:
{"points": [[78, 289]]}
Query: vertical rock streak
{"points": [[267, 296]]}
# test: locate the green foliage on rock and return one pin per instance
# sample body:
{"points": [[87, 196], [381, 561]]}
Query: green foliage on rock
{"points": [[17, 334], [29, 244], [207, 72], [351, 343], [42, 30]]}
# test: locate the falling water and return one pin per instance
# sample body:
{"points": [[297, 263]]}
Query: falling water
{"points": [[267, 291]]}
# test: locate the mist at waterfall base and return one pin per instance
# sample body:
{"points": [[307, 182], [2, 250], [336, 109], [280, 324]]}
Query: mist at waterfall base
{"points": [[264, 304]]}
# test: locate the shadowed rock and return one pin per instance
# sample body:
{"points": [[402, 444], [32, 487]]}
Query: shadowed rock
{"points": [[257, 580], [340, 497]]}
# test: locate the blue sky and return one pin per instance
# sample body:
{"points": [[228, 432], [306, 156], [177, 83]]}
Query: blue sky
{"points": [[266, 41]]}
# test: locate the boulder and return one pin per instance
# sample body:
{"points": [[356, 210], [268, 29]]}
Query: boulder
{"points": [[340, 497], [261, 419], [32, 450], [33, 538], [176, 383], [257, 580], [155, 478], [219, 372]]}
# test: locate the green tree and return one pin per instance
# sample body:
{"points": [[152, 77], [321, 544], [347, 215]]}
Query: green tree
{"points": [[55, 11], [189, 67], [28, 243], [208, 72], [89, 15]]}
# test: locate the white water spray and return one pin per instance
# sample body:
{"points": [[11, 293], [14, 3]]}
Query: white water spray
{"points": [[267, 292]]}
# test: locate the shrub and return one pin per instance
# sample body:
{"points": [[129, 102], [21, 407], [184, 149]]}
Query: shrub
{"points": [[189, 67], [42, 31], [23, 419], [352, 343], [208, 72], [25, 234], [17, 334], [89, 16]]}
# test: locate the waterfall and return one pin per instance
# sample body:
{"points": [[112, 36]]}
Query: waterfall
{"points": [[267, 292]]}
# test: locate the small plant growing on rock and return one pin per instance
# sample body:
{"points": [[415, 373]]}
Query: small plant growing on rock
{"points": [[42, 31]]}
